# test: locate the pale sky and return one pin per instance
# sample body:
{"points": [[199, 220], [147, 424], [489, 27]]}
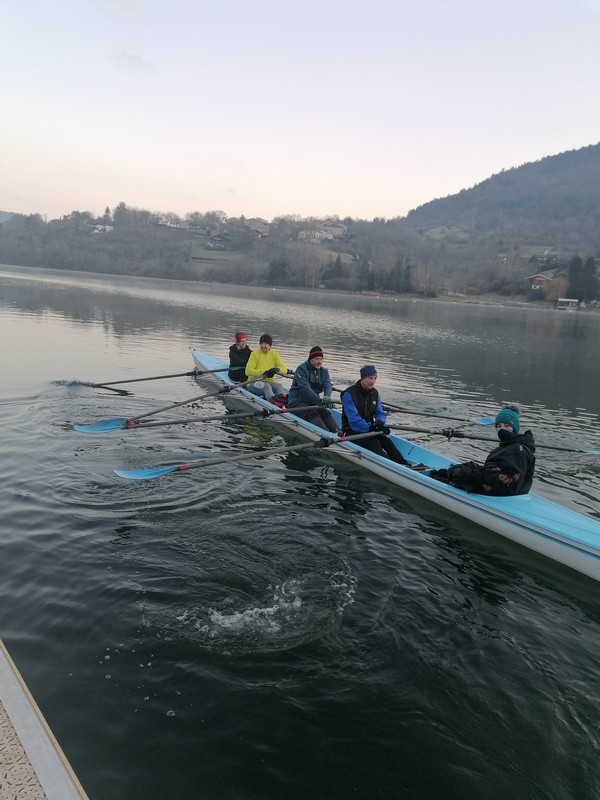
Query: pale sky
{"points": [[360, 108]]}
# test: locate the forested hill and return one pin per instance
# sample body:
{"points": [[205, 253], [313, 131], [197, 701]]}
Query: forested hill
{"points": [[554, 189], [492, 238]]}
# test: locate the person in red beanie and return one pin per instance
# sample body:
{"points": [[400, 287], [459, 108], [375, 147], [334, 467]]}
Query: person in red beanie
{"points": [[239, 353], [311, 380]]}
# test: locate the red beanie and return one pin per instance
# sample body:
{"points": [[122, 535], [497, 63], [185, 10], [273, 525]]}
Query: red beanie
{"points": [[315, 352], [239, 335]]}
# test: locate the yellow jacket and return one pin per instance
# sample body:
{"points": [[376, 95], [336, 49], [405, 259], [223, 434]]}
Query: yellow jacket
{"points": [[260, 362]]}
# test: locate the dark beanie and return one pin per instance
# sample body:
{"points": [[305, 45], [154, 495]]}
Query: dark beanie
{"points": [[367, 371], [266, 338], [315, 352], [510, 416]]}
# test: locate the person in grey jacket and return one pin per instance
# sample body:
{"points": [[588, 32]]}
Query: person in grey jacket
{"points": [[311, 380]]}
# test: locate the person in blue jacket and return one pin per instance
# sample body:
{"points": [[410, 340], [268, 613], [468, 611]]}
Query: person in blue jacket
{"points": [[311, 380], [362, 412]]}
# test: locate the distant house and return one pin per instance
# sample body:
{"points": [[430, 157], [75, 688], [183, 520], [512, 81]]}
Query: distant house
{"points": [[539, 281], [313, 235], [103, 228], [337, 229]]}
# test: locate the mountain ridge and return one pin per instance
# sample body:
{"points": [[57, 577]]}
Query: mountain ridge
{"points": [[573, 173]]}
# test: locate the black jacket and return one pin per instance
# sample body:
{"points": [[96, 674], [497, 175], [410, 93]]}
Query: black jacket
{"points": [[508, 470], [367, 406], [238, 358]]}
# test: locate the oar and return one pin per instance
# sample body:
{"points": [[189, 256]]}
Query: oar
{"points": [[157, 472], [476, 421], [191, 374], [265, 413], [452, 433], [390, 407], [118, 423], [122, 392]]}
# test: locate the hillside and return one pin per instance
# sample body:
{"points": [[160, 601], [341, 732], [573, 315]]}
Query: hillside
{"points": [[487, 239], [555, 200]]}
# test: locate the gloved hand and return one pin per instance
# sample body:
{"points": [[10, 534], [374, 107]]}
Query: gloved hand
{"points": [[327, 401], [377, 425], [439, 475], [290, 372], [386, 430], [271, 372]]}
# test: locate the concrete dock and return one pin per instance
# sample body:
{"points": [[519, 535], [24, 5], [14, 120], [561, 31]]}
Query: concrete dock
{"points": [[32, 764]]}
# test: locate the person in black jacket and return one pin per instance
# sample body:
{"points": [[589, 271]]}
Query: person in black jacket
{"points": [[508, 469], [239, 353], [362, 412]]}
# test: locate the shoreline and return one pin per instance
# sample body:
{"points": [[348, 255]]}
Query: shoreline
{"points": [[475, 300]]}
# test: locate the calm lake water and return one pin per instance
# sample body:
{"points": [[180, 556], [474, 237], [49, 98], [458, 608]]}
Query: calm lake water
{"points": [[290, 627]]}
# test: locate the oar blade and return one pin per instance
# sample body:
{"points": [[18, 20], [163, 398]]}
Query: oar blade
{"points": [[102, 425], [144, 474], [592, 452], [482, 421]]}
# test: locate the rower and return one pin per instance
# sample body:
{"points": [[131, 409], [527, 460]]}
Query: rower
{"points": [[265, 363], [508, 469], [239, 353], [362, 411], [311, 380]]}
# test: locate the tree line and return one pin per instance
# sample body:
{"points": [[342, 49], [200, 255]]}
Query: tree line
{"points": [[381, 255]]}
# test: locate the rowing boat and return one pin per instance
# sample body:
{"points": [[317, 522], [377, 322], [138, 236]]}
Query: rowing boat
{"points": [[532, 521]]}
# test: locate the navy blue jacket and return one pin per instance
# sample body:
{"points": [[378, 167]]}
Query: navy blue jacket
{"points": [[308, 384]]}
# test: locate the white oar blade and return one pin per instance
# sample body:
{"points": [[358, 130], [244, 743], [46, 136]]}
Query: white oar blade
{"points": [[102, 426]]}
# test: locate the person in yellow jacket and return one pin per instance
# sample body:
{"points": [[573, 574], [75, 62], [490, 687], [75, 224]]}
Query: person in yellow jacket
{"points": [[265, 362]]}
